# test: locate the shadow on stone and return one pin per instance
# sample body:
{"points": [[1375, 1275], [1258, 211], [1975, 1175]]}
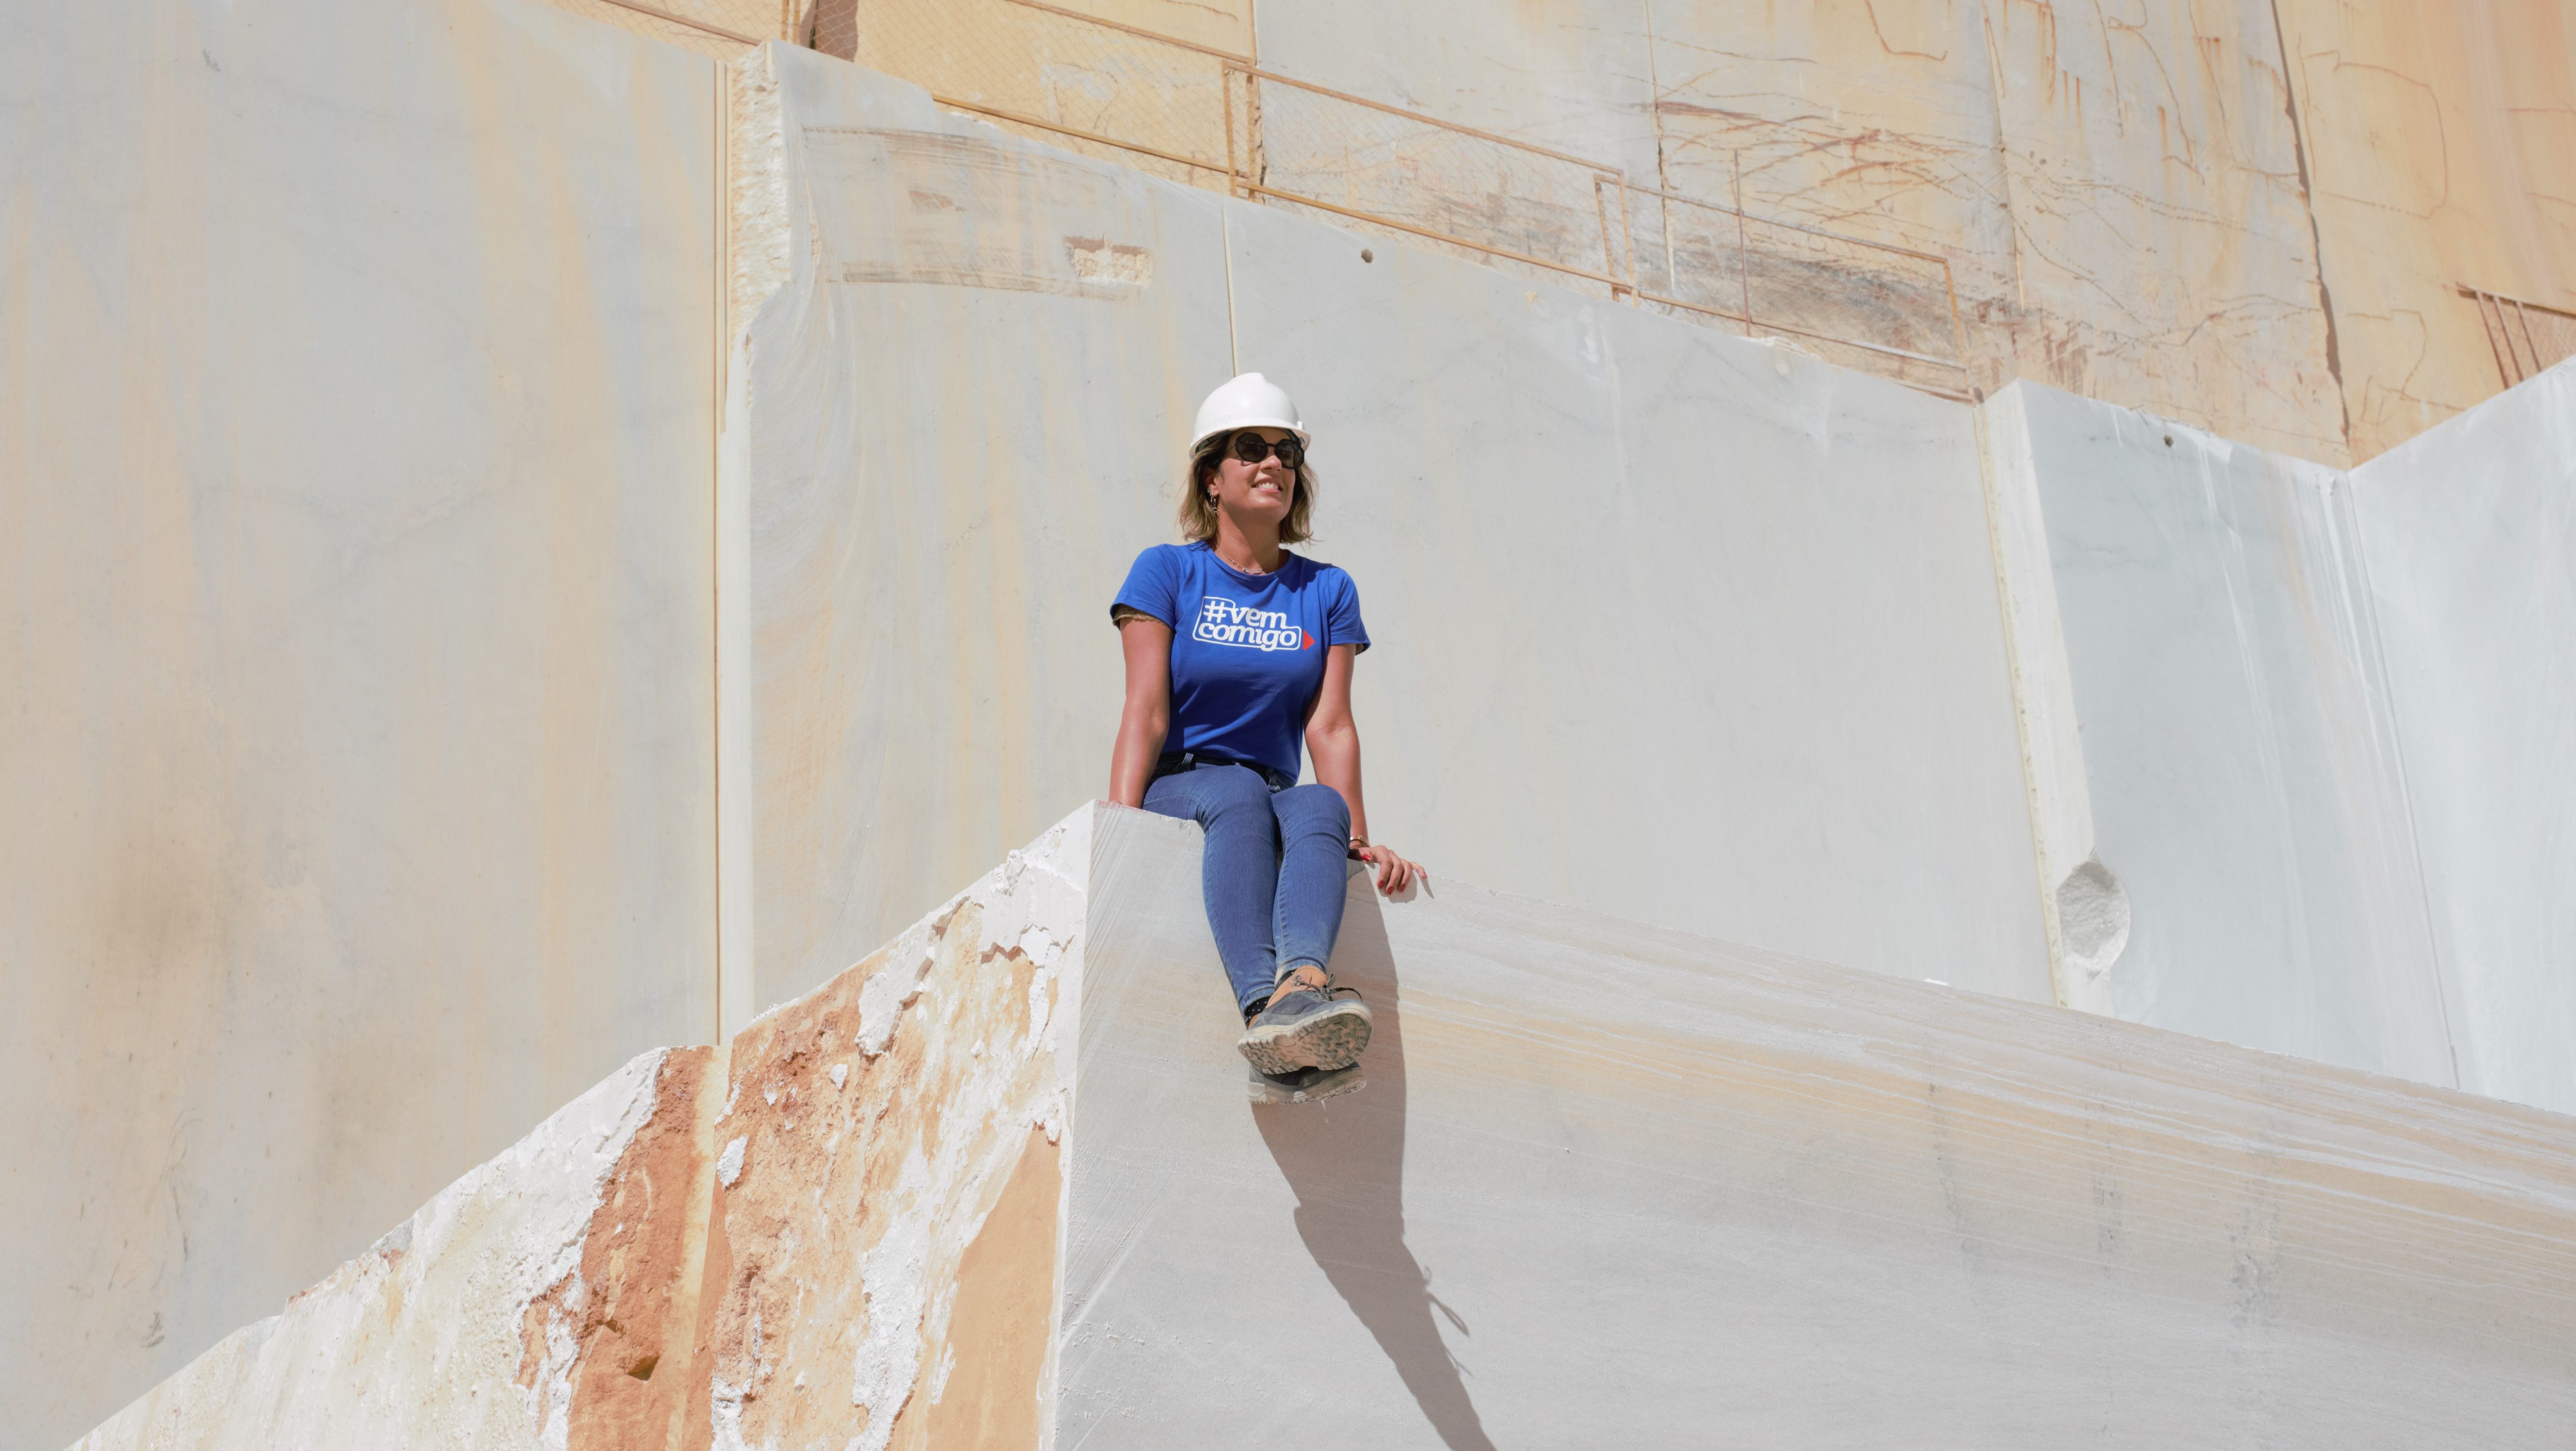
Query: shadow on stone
{"points": [[1345, 1160]]}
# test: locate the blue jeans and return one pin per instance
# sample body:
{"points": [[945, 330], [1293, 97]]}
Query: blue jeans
{"points": [[1274, 870]]}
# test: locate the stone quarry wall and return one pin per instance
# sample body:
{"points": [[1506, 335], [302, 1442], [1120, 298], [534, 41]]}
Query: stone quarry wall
{"points": [[389, 606], [553, 1290], [1777, 709], [2119, 193], [356, 422], [889, 1167], [2257, 218], [1000, 1186], [2295, 735], [2438, 139], [840, 1228], [1610, 1185], [954, 428], [1787, 608], [2241, 762], [2471, 538], [2253, 217]]}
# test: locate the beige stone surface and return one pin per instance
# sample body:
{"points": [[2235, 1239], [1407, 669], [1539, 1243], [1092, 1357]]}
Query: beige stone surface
{"points": [[367, 745], [547, 1298], [1614, 1186], [1000, 1185], [356, 443], [719, 29], [1729, 732], [1150, 73], [1668, 624], [2161, 248], [2134, 199], [841, 1229], [932, 532], [2442, 151], [884, 1161], [2117, 191]]}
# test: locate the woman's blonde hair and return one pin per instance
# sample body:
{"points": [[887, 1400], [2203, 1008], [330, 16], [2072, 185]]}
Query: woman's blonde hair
{"points": [[1198, 506]]}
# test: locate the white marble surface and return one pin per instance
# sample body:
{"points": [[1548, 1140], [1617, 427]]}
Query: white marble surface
{"points": [[2081, 946], [460, 1326], [355, 452], [2470, 531], [1613, 1186], [2118, 195], [1606, 1185], [1669, 624], [958, 442], [2240, 754]]}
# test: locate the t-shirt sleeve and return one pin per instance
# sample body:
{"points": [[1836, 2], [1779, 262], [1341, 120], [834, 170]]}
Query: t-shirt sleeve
{"points": [[1342, 617], [1152, 587]]}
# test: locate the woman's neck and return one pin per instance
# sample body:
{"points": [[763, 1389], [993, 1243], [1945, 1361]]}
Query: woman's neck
{"points": [[1247, 550]]}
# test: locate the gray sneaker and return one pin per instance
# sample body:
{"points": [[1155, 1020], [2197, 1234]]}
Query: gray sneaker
{"points": [[1306, 1085], [1306, 1028]]}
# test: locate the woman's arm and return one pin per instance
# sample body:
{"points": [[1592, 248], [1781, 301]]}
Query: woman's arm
{"points": [[1148, 713], [1333, 743]]}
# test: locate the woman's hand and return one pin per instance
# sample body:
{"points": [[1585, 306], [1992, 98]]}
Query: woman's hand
{"points": [[1394, 873], [1333, 743]]}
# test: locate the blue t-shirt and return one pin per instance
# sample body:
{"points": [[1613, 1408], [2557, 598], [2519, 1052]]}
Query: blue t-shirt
{"points": [[1247, 649]]}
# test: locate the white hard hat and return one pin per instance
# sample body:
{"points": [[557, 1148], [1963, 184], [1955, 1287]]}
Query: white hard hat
{"points": [[1247, 400]]}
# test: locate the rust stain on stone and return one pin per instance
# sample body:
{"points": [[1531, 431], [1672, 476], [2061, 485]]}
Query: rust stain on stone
{"points": [[696, 1430], [1004, 1318], [635, 1266], [870, 1149]]}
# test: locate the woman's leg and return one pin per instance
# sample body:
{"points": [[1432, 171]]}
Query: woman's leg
{"points": [[1238, 872], [1306, 1029], [1314, 874]]}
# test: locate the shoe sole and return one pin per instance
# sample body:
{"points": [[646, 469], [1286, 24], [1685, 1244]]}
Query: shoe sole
{"points": [[1329, 1040], [1321, 1086]]}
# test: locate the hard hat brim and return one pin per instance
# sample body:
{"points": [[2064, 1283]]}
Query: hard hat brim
{"points": [[1303, 436]]}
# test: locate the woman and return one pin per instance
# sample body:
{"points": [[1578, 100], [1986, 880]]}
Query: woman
{"points": [[1234, 646]]}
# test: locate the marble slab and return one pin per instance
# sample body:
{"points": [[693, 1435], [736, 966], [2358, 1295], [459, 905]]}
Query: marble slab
{"points": [[1002, 1184], [356, 451], [2247, 797], [1615, 1185], [1694, 630], [1669, 624], [962, 398], [2470, 531]]}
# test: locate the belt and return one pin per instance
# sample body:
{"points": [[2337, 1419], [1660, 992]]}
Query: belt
{"points": [[1172, 763]]}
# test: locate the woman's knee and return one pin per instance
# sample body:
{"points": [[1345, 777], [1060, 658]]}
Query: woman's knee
{"points": [[1228, 796], [1315, 807]]}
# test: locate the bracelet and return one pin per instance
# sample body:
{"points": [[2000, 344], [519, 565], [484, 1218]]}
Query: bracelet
{"points": [[1358, 844]]}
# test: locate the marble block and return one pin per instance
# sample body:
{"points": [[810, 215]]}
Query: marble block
{"points": [[1002, 1184], [2248, 814], [2470, 531], [357, 446], [1669, 624]]}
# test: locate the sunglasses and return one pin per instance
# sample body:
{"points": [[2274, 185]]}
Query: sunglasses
{"points": [[1252, 448]]}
